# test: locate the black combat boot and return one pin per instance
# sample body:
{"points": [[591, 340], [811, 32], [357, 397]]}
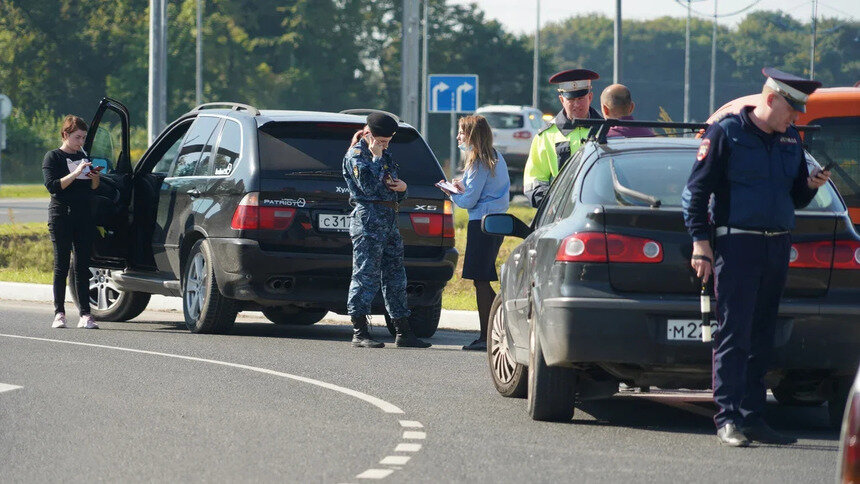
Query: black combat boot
{"points": [[405, 337], [361, 335]]}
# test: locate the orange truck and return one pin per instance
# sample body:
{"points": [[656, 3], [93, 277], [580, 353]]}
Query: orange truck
{"points": [[837, 111]]}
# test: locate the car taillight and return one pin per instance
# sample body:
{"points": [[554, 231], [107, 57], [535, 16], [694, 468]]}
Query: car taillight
{"points": [[599, 247], [522, 134], [846, 254], [427, 224], [448, 220], [249, 215], [850, 471], [843, 254]]}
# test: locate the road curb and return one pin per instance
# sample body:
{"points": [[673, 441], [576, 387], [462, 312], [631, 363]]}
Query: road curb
{"points": [[24, 291]]}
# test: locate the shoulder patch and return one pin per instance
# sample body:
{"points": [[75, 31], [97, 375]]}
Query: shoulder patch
{"points": [[704, 148]]}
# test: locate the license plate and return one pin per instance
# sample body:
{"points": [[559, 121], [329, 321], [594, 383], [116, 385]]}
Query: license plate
{"points": [[334, 223], [686, 329]]}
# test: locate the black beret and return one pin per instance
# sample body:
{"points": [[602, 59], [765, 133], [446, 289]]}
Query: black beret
{"points": [[381, 124]]}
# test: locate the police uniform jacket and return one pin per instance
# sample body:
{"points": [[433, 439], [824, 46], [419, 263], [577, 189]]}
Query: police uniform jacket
{"points": [[365, 175], [758, 179], [552, 146]]}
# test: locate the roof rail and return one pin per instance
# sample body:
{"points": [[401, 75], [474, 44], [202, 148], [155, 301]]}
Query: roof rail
{"points": [[360, 111], [603, 126], [231, 105]]}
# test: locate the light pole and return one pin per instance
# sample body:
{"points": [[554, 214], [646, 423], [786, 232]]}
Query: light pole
{"points": [[157, 67], [409, 68], [687, 65], [713, 59], [536, 66], [616, 57], [198, 85], [424, 67], [812, 53]]}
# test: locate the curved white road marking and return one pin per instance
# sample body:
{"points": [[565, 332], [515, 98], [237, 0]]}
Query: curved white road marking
{"points": [[373, 473], [5, 387], [377, 402]]}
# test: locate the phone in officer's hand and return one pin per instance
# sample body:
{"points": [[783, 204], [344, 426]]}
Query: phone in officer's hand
{"points": [[829, 166]]}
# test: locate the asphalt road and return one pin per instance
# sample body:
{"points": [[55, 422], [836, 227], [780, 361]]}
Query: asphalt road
{"points": [[21, 210], [147, 401]]}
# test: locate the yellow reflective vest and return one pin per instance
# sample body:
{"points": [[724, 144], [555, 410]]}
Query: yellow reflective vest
{"points": [[554, 141]]}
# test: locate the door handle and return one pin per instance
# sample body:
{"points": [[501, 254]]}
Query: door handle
{"points": [[193, 193]]}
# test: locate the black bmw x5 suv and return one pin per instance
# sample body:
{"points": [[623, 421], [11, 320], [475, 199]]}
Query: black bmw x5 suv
{"points": [[233, 208]]}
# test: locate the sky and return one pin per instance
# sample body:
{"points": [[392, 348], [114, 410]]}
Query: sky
{"points": [[518, 16]]}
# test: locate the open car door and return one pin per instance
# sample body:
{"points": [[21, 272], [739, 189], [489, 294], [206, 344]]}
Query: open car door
{"points": [[107, 145]]}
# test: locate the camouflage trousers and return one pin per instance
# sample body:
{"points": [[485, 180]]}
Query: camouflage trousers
{"points": [[377, 260]]}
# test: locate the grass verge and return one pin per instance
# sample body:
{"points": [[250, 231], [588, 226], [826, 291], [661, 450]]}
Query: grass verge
{"points": [[26, 255], [23, 191]]}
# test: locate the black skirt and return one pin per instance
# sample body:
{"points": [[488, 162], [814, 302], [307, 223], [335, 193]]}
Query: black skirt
{"points": [[479, 263]]}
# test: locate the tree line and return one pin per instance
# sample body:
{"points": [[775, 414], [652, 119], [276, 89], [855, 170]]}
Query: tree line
{"points": [[62, 56]]}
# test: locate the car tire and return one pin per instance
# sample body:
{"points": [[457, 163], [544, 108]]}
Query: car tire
{"points": [[206, 310], [509, 377], [107, 301], [293, 316], [551, 390], [424, 320]]}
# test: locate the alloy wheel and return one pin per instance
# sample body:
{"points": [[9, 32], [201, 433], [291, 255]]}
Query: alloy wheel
{"points": [[500, 354], [103, 291], [195, 286]]}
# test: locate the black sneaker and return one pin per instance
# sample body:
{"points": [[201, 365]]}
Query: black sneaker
{"points": [[764, 434], [479, 344]]}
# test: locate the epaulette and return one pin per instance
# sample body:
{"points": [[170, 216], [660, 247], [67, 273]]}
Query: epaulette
{"points": [[541, 131]]}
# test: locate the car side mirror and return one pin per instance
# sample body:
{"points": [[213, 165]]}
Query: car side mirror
{"points": [[504, 224]]}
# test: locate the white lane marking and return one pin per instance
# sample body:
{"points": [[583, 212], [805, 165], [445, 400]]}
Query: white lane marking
{"points": [[411, 424], [395, 460], [5, 387], [377, 402], [375, 474], [407, 448], [411, 434]]}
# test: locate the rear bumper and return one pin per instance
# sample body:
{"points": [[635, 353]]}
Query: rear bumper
{"points": [[246, 272], [633, 331]]}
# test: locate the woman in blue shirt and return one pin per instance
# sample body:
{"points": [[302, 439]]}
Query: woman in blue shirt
{"points": [[484, 189]]}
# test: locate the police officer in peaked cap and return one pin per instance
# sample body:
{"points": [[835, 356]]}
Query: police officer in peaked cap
{"points": [[753, 164], [554, 144], [377, 248]]}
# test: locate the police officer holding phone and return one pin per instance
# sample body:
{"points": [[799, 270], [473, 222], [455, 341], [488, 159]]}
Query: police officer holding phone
{"points": [[753, 164], [377, 248]]}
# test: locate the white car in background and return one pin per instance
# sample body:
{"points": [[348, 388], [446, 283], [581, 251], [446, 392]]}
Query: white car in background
{"points": [[514, 127]]}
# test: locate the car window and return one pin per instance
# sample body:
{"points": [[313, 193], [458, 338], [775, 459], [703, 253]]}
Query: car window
{"points": [[503, 120], [570, 196], [170, 148], [107, 142], [839, 141], [664, 175], [196, 141], [536, 120], [229, 148], [320, 147], [558, 191]]}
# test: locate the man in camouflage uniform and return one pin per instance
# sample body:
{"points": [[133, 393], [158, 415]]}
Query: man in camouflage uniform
{"points": [[377, 248]]}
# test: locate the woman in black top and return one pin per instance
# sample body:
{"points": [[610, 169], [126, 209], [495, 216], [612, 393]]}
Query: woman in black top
{"points": [[71, 183]]}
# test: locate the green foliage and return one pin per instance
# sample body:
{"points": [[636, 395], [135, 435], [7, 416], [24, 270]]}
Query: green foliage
{"points": [[26, 249], [29, 137], [23, 191]]}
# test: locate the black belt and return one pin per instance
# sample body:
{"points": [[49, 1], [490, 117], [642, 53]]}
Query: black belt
{"points": [[731, 230]]}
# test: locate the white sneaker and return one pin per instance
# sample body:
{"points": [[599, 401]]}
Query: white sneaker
{"points": [[59, 321], [87, 321]]}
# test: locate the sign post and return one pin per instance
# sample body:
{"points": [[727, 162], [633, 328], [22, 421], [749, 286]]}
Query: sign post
{"points": [[452, 93], [5, 111]]}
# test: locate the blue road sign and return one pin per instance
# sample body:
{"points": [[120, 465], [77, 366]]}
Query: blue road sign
{"points": [[452, 93]]}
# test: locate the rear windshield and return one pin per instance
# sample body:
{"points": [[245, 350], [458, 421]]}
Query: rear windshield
{"points": [[320, 148], [664, 175], [504, 120]]}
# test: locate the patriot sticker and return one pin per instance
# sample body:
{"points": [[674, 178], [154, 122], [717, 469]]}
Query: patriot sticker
{"points": [[703, 149]]}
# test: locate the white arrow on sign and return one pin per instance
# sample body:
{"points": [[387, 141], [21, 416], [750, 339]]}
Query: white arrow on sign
{"points": [[465, 87], [435, 94]]}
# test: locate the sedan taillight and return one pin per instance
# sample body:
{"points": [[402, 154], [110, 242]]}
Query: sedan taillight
{"points": [[843, 254], [599, 247], [249, 215], [522, 134]]}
